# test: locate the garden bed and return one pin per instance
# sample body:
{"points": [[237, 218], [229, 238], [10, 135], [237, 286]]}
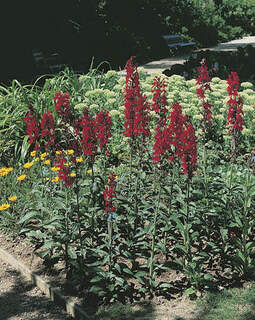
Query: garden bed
{"points": [[133, 189], [158, 308]]}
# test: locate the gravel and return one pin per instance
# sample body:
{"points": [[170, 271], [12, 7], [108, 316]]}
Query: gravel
{"points": [[20, 300]]}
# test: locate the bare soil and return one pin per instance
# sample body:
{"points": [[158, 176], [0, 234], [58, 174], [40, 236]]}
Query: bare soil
{"points": [[19, 299]]}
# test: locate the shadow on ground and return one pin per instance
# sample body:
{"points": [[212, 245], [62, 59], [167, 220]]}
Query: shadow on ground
{"points": [[22, 300]]}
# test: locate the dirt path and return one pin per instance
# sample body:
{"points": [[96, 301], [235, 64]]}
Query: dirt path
{"points": [[166, 63], [20, 300]]}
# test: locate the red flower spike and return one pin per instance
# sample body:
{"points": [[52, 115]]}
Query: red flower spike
{"points": [[203, 79], [170, 136], [103, 125], [188, 152], [88, 135], [64, 172], [62, 105], [159, 96], [109, 194], [33, 128], [136, 107], [235, 112], [48, 128]]}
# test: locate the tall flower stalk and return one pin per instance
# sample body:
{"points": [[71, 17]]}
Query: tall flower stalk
{"points": [[109, 196], [235, 113], [203, 80]]}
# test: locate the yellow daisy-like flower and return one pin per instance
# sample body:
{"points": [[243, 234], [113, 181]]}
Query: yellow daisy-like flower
{"points": [[89, 171], [22, 177], [55, 179], [37, 159], [47, 162], [47, 178], [72, 174], [67, 164], [79, 159], [43, 155], [5, 171], [33, 153], [58, 152], [28, 165], [54, 169], [71, 151], [13, 198], [4, 206]]}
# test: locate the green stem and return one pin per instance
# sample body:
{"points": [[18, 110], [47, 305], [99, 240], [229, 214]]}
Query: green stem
{"points": [[78, 206], [109, 224], [169, 210], [245, 229], [153, 242], [67, 232], [186, 224]]}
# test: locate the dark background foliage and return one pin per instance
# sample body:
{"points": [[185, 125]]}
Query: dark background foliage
{"points": [[111, 30]]}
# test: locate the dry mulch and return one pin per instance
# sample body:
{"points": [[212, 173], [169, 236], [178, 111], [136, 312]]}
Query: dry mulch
{"points": [[19, 299]]}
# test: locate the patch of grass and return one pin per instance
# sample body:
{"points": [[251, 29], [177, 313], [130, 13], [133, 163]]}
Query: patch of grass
{"points": [[231, 304], [119, 311]]}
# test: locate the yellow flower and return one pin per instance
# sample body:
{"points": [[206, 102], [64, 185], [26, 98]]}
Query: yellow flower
{"points": [[5, 171], [79, 159], [13, 198], [58, 152], [28, 165], [71, 151], [55, 179], [33, 153], [47, 162], [47, 178], [43, 155], [72, 174], [22, 177], [36, 159], [55, 169], [67, 164], [89, 171], [4, 206]]}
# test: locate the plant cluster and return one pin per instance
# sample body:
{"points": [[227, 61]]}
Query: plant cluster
{"points": [[122, 182]]}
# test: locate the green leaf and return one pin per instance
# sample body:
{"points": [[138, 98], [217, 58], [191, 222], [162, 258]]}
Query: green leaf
{"points": [[28, 216], [165, 286], [72, 254], [97, 290], [208, 276], [128, 271], [189, 291], [96, 279]]}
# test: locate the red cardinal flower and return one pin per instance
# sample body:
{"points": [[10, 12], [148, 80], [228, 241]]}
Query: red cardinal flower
{"points": [[188, 152], [109, 194], [48, 128], [33, 128], [159, 96], [203, 79], [136, 107], [62, 105], [88, 135], [64, 172], [103, 125], [235, 112]]}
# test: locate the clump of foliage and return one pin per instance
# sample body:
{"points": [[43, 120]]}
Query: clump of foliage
{"points": [[123, 181]]}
